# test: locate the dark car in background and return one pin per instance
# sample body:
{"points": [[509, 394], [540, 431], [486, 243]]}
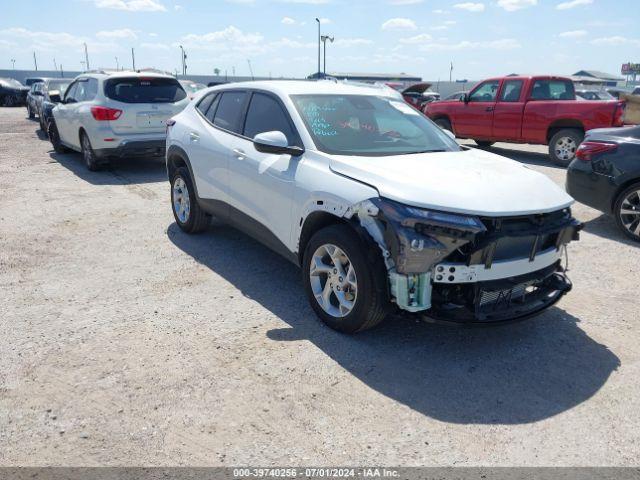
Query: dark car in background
{"points": [[31, 80], [52, 92], [34, 96], [605, 175], [12, 93]]}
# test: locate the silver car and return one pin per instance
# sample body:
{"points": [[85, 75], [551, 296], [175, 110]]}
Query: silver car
{"points": [[119, 115]]}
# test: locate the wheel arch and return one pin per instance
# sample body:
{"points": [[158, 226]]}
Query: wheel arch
{"points": [[312, 223], [558, 125], [176, 157], [621, 188]]}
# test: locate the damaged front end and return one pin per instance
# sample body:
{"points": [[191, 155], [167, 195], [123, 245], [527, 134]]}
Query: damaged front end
{"points": [[470, 269]]}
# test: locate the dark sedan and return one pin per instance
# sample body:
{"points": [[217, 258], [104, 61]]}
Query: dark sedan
{"points": [[606, 175], [12, 92]]}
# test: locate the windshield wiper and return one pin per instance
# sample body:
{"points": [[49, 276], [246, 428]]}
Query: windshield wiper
{"points": [[428, 151]]}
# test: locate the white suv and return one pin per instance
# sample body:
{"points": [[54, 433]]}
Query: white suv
{"points": [[374, 202], [116, 115]]}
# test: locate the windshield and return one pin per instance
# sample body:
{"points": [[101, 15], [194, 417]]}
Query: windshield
{"points": [[369, 125], [58, 85]]}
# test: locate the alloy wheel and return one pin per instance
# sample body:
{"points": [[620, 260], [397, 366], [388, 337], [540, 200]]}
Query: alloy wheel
{"points": [[565, 148], [630, 212], [181, 202], [333, 280]]}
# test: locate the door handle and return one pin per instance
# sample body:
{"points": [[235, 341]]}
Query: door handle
{"points": [[194, 137], [489, 109], [239, 153]]}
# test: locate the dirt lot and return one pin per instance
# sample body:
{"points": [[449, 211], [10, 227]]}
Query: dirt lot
{"points": [[125, 342]]}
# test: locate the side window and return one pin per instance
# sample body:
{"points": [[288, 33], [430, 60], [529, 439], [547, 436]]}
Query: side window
{"points": [[205, 103], [229, 111], [90, 89], [71, 91], [213, 107], [485, 92], [511, 91], [265, 115], [552, 90], [80, 94]]}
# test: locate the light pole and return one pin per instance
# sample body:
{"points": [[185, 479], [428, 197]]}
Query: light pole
{"points": [[133, 59], [35, 61], [324, 39], [318, 20], [117, 64], [83, 63], [184, 60], [250, 69], [13, 62], [86, 56]]}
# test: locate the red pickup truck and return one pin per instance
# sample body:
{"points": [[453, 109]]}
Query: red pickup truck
{"points": [[541, 110]]}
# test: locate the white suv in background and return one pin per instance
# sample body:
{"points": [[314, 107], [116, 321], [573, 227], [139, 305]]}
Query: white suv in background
{"points": [[116, 115], [375, 203]]}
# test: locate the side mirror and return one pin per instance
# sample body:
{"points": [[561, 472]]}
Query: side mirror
{"points": [[67, 101], [55, 98], [464, 98], [275, 142]]}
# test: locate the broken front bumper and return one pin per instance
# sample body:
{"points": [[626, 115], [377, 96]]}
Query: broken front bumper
{"points": [[471, 269]]}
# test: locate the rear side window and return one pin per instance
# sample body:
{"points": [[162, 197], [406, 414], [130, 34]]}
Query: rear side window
{"points": [[553, 90], [265, 115], [205, 103], [144, 90], [87, 90], [229, 111], [511, 91]]}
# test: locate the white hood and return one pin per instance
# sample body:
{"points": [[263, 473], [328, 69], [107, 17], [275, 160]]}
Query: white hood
{"points": [[470, 181]]}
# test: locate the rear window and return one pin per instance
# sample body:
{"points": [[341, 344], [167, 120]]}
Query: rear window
{"points": [[144, 90], [553, 90], [229, 111]]}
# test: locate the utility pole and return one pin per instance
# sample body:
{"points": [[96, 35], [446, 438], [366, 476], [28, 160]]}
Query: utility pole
{"points": [[61, 72], [86, 56], [450, 73], [55, 65], [250, 69], [133, 59], [13, 62], [117, 64], [318, 20], [183, 56], [35, 61], [324, 39]]}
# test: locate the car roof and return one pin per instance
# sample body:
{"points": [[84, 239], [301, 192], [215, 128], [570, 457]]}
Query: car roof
{"points": [[301, 87], [123, 74]]}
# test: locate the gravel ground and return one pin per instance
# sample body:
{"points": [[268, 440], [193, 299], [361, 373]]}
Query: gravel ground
{"points": [[125, 342]]}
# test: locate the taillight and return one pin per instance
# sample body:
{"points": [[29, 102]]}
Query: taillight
{"points": [[104, 114], [587, 150], [618, 115]]}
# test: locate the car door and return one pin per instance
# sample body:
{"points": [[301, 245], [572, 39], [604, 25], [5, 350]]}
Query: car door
{"points": [[261, 185], [62, 113], [507, 115], [209, 154], [474, 118]]}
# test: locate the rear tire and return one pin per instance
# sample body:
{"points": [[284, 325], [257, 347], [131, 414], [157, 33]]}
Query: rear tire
{"points": [[444, 124], [88, 155], [54, 138], [564, 144], [330, 287], [483, 143], [189, 216], [629, 200], [30, 112]]}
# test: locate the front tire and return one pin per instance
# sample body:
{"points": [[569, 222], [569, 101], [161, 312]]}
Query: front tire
{"points": [[187, 212], [627, 211], [30, 112], [345, 280], [54, 138], [483, 143], [444, 124], [564, 144]]}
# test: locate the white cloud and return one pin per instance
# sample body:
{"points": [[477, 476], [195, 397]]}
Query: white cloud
{"points": [[438, 28], [572, 4], [501, 44], [177, 8], [155, 46], [121, 33], [470, 6], [513, 5], [325, 21], [132, 5], [288, 21], [405, 2], [417, 39], [615, 41], [352, 42], [229, 40], [573, 34], [439, 11], [399, 24], [55, 41]]}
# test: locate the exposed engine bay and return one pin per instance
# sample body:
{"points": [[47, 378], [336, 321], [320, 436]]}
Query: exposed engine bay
{"points": [[462, 268]]}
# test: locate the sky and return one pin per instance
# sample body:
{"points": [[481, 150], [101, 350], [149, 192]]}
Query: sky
{"points": [[481, 38]]}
